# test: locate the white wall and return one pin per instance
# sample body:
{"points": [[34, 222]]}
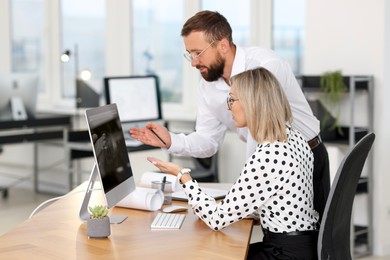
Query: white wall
{"points": [[354, 36], [5, 46]]}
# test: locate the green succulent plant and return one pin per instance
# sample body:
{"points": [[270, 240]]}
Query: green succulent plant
{"points": [[98, 211]]}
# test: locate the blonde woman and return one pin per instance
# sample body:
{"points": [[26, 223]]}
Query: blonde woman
{"points": [[276, 181]]}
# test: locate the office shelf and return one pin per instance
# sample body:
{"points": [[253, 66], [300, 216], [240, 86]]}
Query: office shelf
{"points": [[362, 185], [362, 242], [337, 138]]}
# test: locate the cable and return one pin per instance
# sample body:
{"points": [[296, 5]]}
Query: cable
{"points": [[54, 199]]}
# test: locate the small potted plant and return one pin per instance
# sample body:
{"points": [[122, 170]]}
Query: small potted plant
{"points": [[332, 84], [98, 224]]}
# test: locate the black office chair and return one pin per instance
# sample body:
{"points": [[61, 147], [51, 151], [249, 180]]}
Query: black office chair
{"points": [[335, 231], [205, 169]]}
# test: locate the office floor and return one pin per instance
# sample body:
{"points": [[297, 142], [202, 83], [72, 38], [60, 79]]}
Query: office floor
{"points": [[18, 206], [22, 201]]}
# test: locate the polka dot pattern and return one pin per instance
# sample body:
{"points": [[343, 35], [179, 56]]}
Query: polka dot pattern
{"points": [[276, 182]]}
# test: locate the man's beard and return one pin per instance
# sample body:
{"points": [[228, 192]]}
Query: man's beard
{"points": [[215, 71]]}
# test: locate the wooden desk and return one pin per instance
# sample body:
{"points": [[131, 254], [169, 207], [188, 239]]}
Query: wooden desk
{"points": [[57, 233]]}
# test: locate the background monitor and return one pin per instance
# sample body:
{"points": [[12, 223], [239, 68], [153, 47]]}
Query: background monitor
{"points": [[86, 96], [137, 97], [112, 161], [19, 93]]}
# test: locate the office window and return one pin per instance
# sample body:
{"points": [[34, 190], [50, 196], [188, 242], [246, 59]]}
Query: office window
{"points": [[157, 44], [27, 37], [238, 15], [288, 31], [83, 32]]}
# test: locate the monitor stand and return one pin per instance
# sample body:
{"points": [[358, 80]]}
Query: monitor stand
{"points": [[84, 213], [18, 109]]}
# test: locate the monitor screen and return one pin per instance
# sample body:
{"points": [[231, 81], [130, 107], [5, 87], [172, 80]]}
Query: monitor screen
{"points": [[19, 92], [110, 153], [137, 97]]}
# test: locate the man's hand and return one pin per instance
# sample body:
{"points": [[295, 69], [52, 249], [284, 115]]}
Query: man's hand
{"points": [[153, 134]]}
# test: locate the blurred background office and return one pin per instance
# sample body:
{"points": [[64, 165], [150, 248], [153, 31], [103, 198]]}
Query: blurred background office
{"points": [[138, 37]]}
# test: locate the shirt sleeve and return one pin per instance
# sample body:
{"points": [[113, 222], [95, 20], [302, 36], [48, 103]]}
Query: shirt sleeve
{"points": [[209, 130], [255, 185]]}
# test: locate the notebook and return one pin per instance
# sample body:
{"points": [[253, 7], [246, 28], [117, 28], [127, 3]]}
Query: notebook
{"points": [[138, 101]]}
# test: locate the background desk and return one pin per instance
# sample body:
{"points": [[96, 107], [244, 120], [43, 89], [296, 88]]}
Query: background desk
{"points": [[40, 128], [57, 233]]}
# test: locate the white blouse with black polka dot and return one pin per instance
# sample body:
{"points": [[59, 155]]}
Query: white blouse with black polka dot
{"points": [[276, 182]]}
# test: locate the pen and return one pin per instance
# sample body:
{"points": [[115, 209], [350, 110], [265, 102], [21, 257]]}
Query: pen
{"points": [[157, 136], [164, 180]]}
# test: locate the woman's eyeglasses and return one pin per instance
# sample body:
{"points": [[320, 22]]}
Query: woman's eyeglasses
{"points": [[230, 101]]}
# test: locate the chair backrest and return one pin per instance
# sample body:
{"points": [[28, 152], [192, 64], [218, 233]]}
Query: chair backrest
{"points": [[335, 231], [205, 169]]}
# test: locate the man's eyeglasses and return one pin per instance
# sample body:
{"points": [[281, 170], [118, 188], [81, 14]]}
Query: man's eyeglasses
{"points": [[230, 101], [190, 56]]}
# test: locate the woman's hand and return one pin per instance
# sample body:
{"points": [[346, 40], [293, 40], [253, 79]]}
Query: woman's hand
{"points": [[166, 167]]}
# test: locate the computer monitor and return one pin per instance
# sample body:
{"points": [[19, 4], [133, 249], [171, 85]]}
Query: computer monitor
{"points": [[18, 98], [112, 164], [86, 96], [137, 97]]}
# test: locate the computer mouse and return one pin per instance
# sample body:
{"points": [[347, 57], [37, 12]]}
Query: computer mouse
{"points": [[172, 209]]}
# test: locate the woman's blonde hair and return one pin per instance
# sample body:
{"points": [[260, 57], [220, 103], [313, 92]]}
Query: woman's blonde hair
{"points": [[265, 104]]}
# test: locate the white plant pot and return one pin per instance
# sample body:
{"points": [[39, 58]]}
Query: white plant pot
{"points": [[98, 228]]}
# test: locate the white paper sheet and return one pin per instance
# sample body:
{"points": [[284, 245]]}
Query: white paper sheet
{"points": [[143, 198]]}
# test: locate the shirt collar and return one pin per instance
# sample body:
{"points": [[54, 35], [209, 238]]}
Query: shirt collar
{"points": [[239, 61]]}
